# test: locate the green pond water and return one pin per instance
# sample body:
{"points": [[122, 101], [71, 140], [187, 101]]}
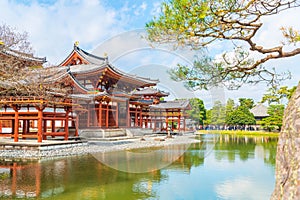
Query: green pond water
{"points": [[218, 167]]}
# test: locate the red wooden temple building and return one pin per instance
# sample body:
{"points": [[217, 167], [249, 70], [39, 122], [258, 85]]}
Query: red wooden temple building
{"points": [[102, 97]]}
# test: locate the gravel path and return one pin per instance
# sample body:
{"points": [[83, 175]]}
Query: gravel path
{"points": [[98, 146]]}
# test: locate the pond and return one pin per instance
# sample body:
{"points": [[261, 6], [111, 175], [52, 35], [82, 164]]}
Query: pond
{"points": [[218, 167]]}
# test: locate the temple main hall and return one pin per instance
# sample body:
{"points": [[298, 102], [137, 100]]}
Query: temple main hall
{"points": [[100, 97]]}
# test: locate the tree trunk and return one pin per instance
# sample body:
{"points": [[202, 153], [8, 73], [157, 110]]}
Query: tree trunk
{"points": [[288, 152]]}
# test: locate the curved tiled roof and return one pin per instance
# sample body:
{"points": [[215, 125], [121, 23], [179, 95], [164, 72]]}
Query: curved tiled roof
{"points": [[150, 91], [20, 55], [92, 59], [89, 58], [178, 104], [96, 63], [85, 68], [260, 110]]}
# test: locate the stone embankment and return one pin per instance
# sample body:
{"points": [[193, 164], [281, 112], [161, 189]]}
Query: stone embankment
{"points": [[90, 147]]}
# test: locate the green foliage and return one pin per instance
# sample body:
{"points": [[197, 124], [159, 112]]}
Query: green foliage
{"points": [[291, 35], [207, 121], [229, 114], [198, 111], [207, 72], [4, 176], [230, 106], [241, 133], [277, 95], [198, 23], [240, 116], [218, 114], [246, 102], [274, 121]]}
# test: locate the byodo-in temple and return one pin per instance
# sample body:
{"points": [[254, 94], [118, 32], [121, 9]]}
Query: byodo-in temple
{"points": [[102, 97]]}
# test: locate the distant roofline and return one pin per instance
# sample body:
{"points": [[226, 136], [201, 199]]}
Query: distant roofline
{"points": [[259, 110], [155, 91], [176, 104], [25, 56]]}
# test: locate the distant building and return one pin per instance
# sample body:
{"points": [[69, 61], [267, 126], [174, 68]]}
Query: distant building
{"points": [[260, 112]]}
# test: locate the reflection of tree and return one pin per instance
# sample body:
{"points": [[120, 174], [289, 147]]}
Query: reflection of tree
{"points": [[270, 159], [229, 146], [194, 156]]}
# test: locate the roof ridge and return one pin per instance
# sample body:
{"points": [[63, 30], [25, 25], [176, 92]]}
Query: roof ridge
{"points": [[130, 75], [78, 49]]}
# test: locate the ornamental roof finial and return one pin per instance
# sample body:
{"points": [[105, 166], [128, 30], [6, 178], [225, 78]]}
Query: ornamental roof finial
{"points": [[76, 44]]}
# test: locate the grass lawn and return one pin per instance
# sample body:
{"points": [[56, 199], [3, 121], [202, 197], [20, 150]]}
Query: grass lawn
{"points": [[238, 132]]}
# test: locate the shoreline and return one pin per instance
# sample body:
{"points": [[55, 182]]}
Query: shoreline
{"points": [[238, 132], [91, 147]]}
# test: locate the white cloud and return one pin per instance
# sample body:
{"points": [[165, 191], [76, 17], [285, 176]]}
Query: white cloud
{"points": [[139, 10], [143, 6], [240, 188], [156, 9], [270, 34], [54, 28]]}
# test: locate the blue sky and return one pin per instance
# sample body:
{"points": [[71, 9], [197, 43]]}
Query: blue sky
{"points": [[54, 26]]}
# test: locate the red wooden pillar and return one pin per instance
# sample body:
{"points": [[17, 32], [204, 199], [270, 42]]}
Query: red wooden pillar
{"points": [[167, 119], [136, 117], [154, 120], [0, 126], [28, 126], [141, 116], [24, 128], [128, 121], [76, 124], [16, 124], [100, 115], [146, 122], [88, 115], [106, 117], [151, 120], [184, 124], [40, 124], [178, 126], [67, 124], [45, 129], [117, 115], [52, 125]]}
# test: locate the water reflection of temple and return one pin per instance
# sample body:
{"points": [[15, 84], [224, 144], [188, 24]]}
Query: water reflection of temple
{"points": [[20, 181], [53, 178], [66, 177]]}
